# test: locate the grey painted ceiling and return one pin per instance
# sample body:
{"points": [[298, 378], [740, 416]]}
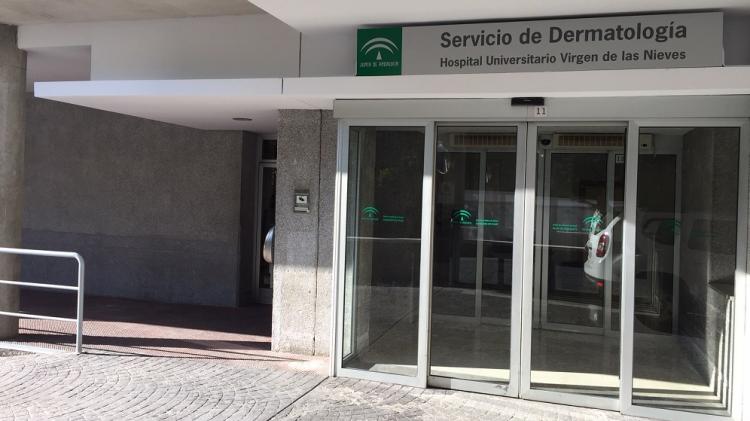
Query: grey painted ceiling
{"points": [[21, 12]]}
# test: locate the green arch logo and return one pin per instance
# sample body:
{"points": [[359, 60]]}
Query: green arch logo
{"points": [[461, 216], [379, 51], [379, 45], [592, 222], [370, 213]]}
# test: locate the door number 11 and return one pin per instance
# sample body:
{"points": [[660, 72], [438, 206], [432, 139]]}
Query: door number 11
{"points": [[540, 111]]}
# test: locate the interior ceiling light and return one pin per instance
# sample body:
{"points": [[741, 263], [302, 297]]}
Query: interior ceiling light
{"points": [[242, 119]]}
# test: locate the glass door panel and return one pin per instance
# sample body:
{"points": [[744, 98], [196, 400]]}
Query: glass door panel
{"points": [[575, 345], [685, 261], [475, 183], [382, 250]]}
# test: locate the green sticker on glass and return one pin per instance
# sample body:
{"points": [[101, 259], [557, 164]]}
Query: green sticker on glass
{"points": [[461, 217], [565, 227], [370, 213], [488, 222]]}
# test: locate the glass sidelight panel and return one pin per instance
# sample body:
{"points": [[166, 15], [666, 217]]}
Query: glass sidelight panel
{"points": [[475, 181], [267, 221], [383, 239], [575, 345], [685, 257]]}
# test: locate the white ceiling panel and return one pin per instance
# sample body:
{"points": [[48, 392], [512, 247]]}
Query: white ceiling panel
{"points": [[325, 15], [24, 12]]}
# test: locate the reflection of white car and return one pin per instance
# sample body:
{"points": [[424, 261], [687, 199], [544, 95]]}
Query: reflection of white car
{"points": [[599, 250]]}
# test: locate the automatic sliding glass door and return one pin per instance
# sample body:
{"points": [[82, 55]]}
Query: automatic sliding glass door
{"points": [[475, 269], [472, 257], [573, 263], [384, 252]]}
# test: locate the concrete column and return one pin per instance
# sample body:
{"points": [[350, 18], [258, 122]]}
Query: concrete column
{"points": [[12, 91], [324, 276], [303, 249]]}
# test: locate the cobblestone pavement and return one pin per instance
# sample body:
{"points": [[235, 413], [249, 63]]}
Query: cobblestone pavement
{"points": [[11, 352], [357, 399], [44, 387], [127, 387]]}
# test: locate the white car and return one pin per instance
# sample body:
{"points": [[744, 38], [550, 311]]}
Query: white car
{"points": [[599, 250]]}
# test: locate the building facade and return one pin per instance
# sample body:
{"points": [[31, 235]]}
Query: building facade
{"points": [[538, 203]]}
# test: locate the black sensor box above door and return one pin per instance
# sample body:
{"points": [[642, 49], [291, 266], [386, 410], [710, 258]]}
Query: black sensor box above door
{"points": [[527, 100]]}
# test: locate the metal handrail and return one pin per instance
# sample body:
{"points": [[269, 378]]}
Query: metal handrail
{"points": [[79, 288]]}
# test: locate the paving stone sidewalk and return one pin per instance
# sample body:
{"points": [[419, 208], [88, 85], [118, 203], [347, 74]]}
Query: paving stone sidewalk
{"points": [[126, 387]]}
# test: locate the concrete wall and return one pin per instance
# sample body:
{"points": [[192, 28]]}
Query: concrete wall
{"points": [[328, 54], [189, 48], [303, 244], [206, 47], [57, 64], [154, 208], [12, 84]]}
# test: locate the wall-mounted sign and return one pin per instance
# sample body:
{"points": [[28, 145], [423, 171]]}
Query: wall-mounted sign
{"points": [[619, 42], [302, 201]]}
